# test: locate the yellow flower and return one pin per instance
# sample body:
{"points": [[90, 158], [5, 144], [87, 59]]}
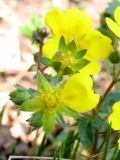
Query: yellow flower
{"points": [[76, 25], [114, 117], [115, 26], [75, 94]]}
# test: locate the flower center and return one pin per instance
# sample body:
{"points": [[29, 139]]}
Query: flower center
{"points": [[67, 59], [50, 101]]}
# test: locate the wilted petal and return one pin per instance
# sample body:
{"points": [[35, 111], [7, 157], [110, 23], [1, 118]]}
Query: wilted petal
{"points": [[77, 93]]}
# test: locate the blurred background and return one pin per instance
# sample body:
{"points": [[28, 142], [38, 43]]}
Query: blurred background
{"points": [[16, 56]]}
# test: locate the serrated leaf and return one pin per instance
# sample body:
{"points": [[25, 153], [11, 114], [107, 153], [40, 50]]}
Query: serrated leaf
{"points": [[62, 44], [72, 46], [80, 53], [48, 122], [36, 119], [32, 105], [27, 31], [42, 83], [86, 132], [60, 119]]}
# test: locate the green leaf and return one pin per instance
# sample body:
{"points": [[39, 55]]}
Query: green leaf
{"points": [[20, 88], [36, 55], [57, 54], [105, 108], [97, 123], [67, 145], [81, 63], [107, 143], [36, 119], [20, 95], [32, 68], [35, 19], [118, 156], [42, 83], [13, 149], [62, 136], [62, 44], [60, 75], [60, 119], [46, 61], [56, 65], [110, 9], [114, 57], [80, 53], [42, 146], [86, 132], [33, 92], [115, 154], [2, 114], [54, 80], [27, 31], [72, 46], [68, 112], [32, 105], [67, 71], [48, 122]]}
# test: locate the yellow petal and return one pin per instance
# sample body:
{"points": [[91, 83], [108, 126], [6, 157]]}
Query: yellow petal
{"points": [[77, 93], [55, 19], [115, 28], [92, 68], [72, 24], [117, 15], [98, 46], [50, 47], [78, 22], [116, 107], [114, 119], [119, 143]]}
